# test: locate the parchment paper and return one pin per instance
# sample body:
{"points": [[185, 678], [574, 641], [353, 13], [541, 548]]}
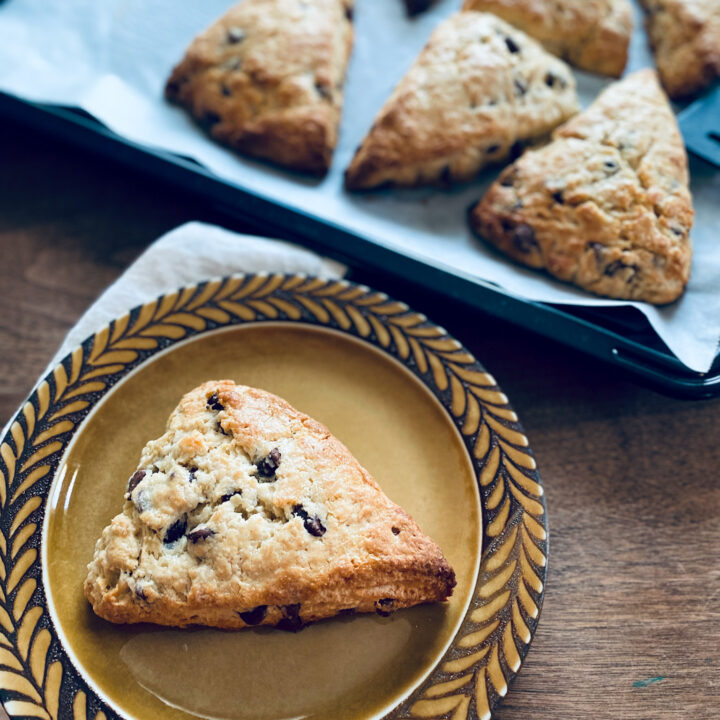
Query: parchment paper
{"points": [[111, 58]]}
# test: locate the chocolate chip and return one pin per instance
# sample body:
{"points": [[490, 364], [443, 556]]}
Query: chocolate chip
{"points": [[213, 402], [312, 524], [234, 63], [221, 429], [254, 616], [267, 467], [611, 166], [134, 481], [385, 606], [172, 88], [349, 13], [674, 230], [200, 534], [512, 46], [557, 196], [395, 530], [227, 496], [520, 87], [323, 90], [507, 179], [235, 35], [524, 238], [141, 501], [191, 476], [175, 531], [492, 149], [551, 80], [140, 592], [598, 249], [618, 266], [315, 527], [507, 224], [517, 150], [225, 90], [210, 119], [291, 618]]}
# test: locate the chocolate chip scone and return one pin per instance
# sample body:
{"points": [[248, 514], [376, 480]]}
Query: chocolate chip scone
{"points": [[685, 35], [593, 35], [267, 78], [478, 90], [248, 512], [606, 205]]}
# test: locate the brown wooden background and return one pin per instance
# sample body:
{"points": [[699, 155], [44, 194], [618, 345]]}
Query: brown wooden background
{"points": [[631, 624]]}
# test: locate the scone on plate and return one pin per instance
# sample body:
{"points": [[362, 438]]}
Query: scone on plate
{"points": [[477, 92], [592, 35], [267, 78], [685, 35], [606, 205], [248, 512]]}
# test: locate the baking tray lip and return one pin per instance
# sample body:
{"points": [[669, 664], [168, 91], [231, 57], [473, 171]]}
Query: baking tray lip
{"points": [[655, 368]]}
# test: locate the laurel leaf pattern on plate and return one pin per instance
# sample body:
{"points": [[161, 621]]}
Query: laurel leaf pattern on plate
{"points": [[36, 677]]}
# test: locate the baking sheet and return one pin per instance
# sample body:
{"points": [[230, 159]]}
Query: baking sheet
{"points": [[111, 58]]}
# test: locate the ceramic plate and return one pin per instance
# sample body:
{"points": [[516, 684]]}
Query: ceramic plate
{"points": [[408, 400]]}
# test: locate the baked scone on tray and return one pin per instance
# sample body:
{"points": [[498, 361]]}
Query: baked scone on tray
{"points": [[685, 35], [267, 78], [605, 205], [592, 35], [478, 90], [248, 512]]}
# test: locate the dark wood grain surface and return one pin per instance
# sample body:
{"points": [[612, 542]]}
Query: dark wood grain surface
{"points": [[631, 623]]}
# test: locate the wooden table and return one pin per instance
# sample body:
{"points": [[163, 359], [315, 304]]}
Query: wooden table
{"points": [[631, 623]]}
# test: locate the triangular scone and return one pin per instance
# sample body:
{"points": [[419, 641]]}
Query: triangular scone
{"points": [[685, 35], [248, 512], [267, 79], [606, 205], [593, 35], [478, 90]]}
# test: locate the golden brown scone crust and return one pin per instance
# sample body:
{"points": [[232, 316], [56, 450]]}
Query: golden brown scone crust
{"points": [[592, 35], [248, 512], [606, 205], [685, 35], [478, 89], [267, 79]]}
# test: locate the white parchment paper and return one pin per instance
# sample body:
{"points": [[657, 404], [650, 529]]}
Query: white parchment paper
{"points": [[111, 58]]}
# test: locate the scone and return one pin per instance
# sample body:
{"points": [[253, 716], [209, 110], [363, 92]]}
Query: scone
{"points": [[267, 79], [685, 35], [606, 205], [477, 92], [593, 35], [248, 512]]}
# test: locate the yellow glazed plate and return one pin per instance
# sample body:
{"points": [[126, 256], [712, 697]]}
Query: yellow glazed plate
{"points": [[411, 404]]}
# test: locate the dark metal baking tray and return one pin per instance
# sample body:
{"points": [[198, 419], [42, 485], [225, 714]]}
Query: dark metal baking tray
{"points": [[620, 336]]}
